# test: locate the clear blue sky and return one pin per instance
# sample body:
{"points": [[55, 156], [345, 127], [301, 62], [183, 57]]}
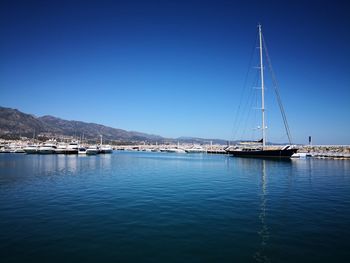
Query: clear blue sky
{"points": [[176, 68]]}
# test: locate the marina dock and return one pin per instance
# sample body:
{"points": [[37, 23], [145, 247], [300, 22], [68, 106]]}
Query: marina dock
{"points": [[338, 152]]}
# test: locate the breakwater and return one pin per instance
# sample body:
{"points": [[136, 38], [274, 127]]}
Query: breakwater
{"points": [[326, 151]]}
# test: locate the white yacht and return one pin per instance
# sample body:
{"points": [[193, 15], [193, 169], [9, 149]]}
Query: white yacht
{"points": [[32, 148], [106, 149], [47, 148], [92, 150], [61, 148], [16, 148], [72, 148], [195, 149], [175, 150], [82, 150]]}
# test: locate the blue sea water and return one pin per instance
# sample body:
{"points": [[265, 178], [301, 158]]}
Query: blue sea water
{"points": [[161, 207]]}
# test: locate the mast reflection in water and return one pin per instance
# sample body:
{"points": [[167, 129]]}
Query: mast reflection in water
{"points": [[261, 254]]}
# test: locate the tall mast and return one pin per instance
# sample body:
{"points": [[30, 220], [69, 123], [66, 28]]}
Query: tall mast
{"points": [[262, 88]]}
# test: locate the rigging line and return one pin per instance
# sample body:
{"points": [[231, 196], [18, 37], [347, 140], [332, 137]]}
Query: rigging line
{"points": [[276, 89], [254, 136], [239, 111], [250, 103], [244, 88], [246, 108], [245, 111]]}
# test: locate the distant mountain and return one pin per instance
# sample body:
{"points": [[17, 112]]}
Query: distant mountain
{"points": [[93, 130], [14, 122]]}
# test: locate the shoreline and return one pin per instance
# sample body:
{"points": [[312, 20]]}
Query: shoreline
{"points": [[337, 152]]}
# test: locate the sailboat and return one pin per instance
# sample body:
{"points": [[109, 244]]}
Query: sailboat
{"points": [[259, 148]]}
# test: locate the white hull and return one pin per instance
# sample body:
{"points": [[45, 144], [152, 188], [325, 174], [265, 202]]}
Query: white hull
{"points": [[60, 151], [105, 149], [30, 150], [46, 151], [299, 156], [92, 151], [82, 150], [175, 151], [195, 150]]}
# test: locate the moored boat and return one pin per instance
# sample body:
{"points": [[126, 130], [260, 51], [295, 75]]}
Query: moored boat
{"points": [[259, 148], [31, 149], [92, 150], [195, 149], [175, 150], [72, 148], [61, 148], [284, 152], [82, 150], [105, 149], [47, 148]]}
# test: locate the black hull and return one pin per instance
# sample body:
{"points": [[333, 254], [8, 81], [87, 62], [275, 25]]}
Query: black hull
{"points": [[264, 153]]}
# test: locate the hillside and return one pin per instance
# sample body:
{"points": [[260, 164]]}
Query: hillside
{"points": [[14, 123]]}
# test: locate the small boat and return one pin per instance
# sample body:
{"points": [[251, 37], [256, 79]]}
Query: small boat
{"points": [[47, 148], [155, 150], [300, 155], [175, 150], [61, 148], [17, 149], [195, 149], [82, 150], [72, 148], [5, 149], [30, 149], [105, 149], [262, 150], [92, 150]]}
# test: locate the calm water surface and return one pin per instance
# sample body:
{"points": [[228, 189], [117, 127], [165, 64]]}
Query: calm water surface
{"points": [[159, 207]]}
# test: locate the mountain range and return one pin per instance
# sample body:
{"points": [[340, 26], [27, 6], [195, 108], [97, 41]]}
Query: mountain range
{"points": [[14, 123]]}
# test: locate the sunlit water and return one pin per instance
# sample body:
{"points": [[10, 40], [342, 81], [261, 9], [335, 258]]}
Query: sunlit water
{"points": [[159, 207]]}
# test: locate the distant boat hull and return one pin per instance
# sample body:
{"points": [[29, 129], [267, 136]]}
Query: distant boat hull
{"points": [[281, 153], [195, 150], [175, 150], [91, 151], [106, 150], [46, 151], [60, 151], [31, 150]]}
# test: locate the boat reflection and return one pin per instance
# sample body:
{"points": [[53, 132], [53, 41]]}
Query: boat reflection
{"points": [[17, 168], [264, 233]]}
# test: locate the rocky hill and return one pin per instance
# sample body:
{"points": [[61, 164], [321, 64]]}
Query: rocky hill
{"points": [[14, 123]]}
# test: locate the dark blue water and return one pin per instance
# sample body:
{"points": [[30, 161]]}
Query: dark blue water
{"points": [[159, 207]]}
